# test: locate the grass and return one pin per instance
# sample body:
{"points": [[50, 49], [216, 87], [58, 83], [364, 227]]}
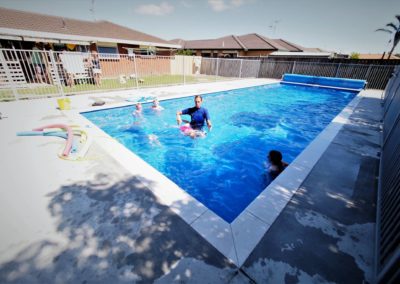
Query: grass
{"points": [[106, 85]]}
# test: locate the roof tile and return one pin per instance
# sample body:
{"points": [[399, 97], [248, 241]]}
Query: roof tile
{"points": [[247, 42], [15, 19]]}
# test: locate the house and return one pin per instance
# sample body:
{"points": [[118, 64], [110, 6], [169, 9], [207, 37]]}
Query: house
{"points": [[376, 56], [38, 34], [21, 30], [238, 46]]}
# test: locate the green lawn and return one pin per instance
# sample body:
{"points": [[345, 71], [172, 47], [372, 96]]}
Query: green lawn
{"points": [[106, 84]]}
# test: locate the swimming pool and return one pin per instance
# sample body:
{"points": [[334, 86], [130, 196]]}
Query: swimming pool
{"points": [[225, 170]]}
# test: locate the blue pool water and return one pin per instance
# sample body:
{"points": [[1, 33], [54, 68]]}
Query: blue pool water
{"points": [[225, 171]]}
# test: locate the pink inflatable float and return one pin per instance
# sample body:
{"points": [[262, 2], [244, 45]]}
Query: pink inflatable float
{"points": [[70, 136], [186, 128]]}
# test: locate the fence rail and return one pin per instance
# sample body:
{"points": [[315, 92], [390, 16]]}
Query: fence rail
{"points": [[26, 74], [388, 214]]}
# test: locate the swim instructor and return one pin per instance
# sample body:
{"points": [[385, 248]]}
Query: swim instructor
{"points": [[198, 116]]}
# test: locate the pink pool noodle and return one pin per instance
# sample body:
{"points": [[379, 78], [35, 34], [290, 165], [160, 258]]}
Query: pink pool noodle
{"points": [[70, 136]]}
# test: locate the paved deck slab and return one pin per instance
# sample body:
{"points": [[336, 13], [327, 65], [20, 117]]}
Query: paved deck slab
{"points": [[92, 222], [326, 232]]}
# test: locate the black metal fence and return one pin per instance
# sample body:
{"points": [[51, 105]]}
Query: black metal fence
{"points": [[388, 215], [376, 75]]}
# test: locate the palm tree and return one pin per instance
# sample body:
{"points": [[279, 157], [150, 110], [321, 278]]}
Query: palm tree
{"points": [[396, 37]]}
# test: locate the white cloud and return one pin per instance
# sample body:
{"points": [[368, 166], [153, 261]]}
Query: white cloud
{"points": [[221, 5], [218, 5], [237, 3], [186, 3], [155, 10]]}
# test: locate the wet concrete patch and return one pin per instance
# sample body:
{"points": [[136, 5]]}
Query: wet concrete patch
{"points": [[297, 247], [189, 270], [348, 195]]}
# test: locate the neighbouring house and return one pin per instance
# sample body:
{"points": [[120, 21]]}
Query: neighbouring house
{"points": [[252, 45], [27, 39], [376, 56], [21, 30]]}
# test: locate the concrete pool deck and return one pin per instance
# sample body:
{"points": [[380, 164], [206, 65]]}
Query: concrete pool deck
{"points": [[93, 221]]}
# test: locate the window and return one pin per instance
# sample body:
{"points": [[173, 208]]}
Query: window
{"points": [[130, 50], [108, 52], [141, 52]]}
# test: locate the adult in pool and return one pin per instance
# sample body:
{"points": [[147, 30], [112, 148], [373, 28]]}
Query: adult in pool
{"points": [[198, 117]]}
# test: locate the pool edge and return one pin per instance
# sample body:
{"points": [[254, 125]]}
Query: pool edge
{"points": [[235, 240], [268, 205]]}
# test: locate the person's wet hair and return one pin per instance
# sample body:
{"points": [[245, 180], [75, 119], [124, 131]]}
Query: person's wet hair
{"points": [[275, 157]]}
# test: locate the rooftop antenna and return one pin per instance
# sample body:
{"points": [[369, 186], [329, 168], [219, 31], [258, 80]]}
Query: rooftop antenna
{"points": [[64, 25], [92, 11], [273, 25]]}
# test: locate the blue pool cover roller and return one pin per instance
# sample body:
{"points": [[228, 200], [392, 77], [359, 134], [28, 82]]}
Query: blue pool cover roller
{"points": [[329, 82]]}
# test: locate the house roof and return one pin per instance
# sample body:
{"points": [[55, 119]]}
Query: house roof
{"points": [[27, 24], [375, 56], [227, 42], [246, 42], [256, 41], [289, 46], [314, 49], [179, 41]]}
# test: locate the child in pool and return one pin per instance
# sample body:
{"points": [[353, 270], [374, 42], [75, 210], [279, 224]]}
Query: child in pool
{"points": [[138, 110], [276, 165], [156, 105]]}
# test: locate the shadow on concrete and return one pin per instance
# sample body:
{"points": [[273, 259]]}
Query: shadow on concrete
{"points": [[326, 232], [115, 233]]}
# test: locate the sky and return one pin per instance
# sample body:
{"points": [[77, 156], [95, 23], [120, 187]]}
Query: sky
{"points": [[334, 25]]}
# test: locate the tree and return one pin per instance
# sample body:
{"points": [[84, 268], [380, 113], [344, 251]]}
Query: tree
{"points": [[396, 34], [354, 55], [184, 52]]}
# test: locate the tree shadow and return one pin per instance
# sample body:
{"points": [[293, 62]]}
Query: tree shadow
{"points": [[112, 233]]}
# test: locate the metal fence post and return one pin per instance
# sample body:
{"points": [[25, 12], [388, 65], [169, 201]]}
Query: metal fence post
{"points": [[8, 75], [56, 75], [216, 73], [259, 68], [184, 75], [136, 72], [367, 74], [240, 71], [293, 67], [337, 70]]}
